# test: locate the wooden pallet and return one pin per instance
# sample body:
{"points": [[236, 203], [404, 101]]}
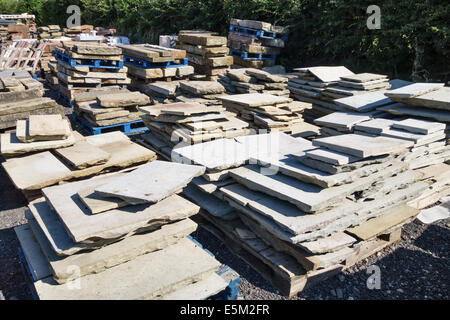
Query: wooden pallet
{"points": [[21, 55]]}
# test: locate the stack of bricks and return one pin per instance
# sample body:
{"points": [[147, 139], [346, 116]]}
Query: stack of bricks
{"points": [[85, 66], [206, 51], [255, 44]]}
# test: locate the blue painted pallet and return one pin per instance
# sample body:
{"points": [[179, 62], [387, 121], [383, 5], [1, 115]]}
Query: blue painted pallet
{"points": [[91, 63], [232, 291], [258, 33], [127, 127], [252, 56], [144, 64]]}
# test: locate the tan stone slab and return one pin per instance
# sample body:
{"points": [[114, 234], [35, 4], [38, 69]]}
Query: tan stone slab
{"points": [[203, 40], [363, 146], [254, 99], [422, 112], [97, 204], [47, 127], [165, 271], [383, 222], [331, 243], [180, 108], [329, 74], [26, 106], [202, 87], [82, 155], [120, 99], [200, 290], [151, 182]]}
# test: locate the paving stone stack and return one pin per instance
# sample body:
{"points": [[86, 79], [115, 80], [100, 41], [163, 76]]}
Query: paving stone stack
{"points": [[84, 66], [76, 31], [270, 113], [148, 63], [255, 44], [21, 96], [49, 32], [298, 211], [103, 232], [430, 101], [251, 80], [109, 107], [74, 158], [178, 124], [206, 51]]}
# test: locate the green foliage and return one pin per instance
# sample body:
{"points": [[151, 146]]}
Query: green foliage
{"points": [[413, 42]]}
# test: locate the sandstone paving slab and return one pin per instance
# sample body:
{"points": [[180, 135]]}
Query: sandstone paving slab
{"points": [[364, 102], [363, 146], [151, 182], [210, 187], [437, 99], [255, 99], [180, 108], [331, 157], [85, 227], [95, 110], [342, 120], [331, 243], [113, 254], [417, 138], [419, 126], [122, 99], [200, 290], [170, 118], [401, 109], [364, 77], [149, 276], [48, 127], [330, 74], [98, 204], [83, 154], [202, 87], [10, 145], [306, 196], [413, 90], [374, 126]]}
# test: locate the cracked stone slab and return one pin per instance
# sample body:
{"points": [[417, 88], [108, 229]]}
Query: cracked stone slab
{"points": [[331, 243], [85, 227], [363, 146], [151, 182], [166, 271]]}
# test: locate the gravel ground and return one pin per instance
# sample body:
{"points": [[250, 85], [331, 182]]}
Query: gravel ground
{"points": [[417, 267]]}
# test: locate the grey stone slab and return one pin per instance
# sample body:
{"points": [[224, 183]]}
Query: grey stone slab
{"points": [[98, 204], [370, 85], [331, 157], [363, 146], [185, 119], [211, 187], [180, 108], [436, 213], [210, 203], [165, 271], [419, 126], [364, 77], [417, 138], [374, 126], [307, 197], [331, 243], [413, 90], [202, 87], [330, 74], [151, 182], [255, 99], [113, 254], [82, 155], [437, 99], [37, 264], [364, 102], [342, 120], [401, 109], [85, 227], [200, 290]]}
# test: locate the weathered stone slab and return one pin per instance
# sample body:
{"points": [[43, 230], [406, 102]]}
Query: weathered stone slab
{"points": [[384, 222], [97, 204], [342, 120], [200, 290], [374, 126], [401, 109], [307, 197], [151, 182], [255, 99], [110, 255], [367, 86], [180, 109], [202, 87], [120, 99], [83, 154], [97, 49], [417, 138], [203, 40], [363, 146], [364, 77], [419, 126], [330, 74], [331, 243], [10, 145], [436, 213], [166, 271], [437, 99], [331, 157], [48, 127], [8, 97], [84, 227], [26, 106], [364, 102], [413, 90]]}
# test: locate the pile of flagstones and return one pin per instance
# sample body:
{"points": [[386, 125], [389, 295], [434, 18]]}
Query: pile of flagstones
{"points": [[207, 52], [110, 107], [20, 97], [299, 212], [250, 80], [255, 44], [49, 32], [119, 236], [271, 113], [67, 159], [181, 123], [84, 66], [148, 63]]}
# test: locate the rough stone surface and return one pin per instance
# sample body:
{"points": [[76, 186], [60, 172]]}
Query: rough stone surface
{"points": [[413, 90], [82, 155], [419, 126]]}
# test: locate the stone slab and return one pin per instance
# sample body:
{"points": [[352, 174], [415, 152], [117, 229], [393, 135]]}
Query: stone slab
{"points": [[83, 154], [342, 120], [120, 99], [417, 138], [401, 109], [419, 126], [364, 77], [151, 182], [48, 127], [200, 290], [364, 102], [437, 99], [331, 157], [255, 99], [363, 146], [98, 204], [435, 213], [330, 74], [413, 90], [374, 126], [180, 109], [84, 227], [331, 243], [202, 87], [165, 271]]}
